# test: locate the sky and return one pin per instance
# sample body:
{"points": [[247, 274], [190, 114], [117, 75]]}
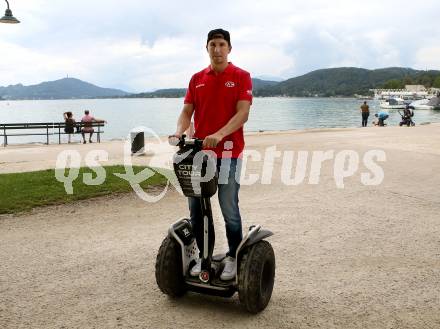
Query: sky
{"points": [[139, 46]]}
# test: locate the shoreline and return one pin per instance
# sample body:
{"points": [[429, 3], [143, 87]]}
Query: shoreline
{"points": [[76, 99], [33, 157], [246, 133]]}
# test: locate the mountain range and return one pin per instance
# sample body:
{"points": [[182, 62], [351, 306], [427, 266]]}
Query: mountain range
{"points": [[343, 81], [257, 85], [348, 81], [65, 88]]}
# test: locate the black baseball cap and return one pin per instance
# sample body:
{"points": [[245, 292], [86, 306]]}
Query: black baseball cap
{"points": [[219, 33]]}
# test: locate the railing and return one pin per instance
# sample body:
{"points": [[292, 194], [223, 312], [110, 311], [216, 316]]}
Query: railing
{"points": [[45, 129]]}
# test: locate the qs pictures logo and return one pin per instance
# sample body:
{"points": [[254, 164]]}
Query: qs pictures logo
{"points": [[70, 161]]}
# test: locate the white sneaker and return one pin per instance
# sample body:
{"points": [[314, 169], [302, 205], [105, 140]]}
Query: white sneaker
{"points": [[230, 269], [196, 269]]}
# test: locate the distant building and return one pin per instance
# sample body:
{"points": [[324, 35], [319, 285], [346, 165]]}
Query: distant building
{"points": [[415, 88]]}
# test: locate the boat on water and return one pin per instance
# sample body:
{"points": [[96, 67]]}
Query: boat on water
{"points": [[363, 97], [434, 103], [421, 104], [427, 104], [415, 95], [394, 103]]}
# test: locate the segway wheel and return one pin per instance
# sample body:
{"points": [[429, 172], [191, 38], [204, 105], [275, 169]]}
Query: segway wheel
{"points": [[169, 275], [256, 276]]}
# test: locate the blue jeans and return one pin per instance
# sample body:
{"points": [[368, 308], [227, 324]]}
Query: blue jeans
{"points": [[228, 188]]}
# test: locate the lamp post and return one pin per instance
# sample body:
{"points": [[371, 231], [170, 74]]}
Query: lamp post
{"points": [[8, 18]]}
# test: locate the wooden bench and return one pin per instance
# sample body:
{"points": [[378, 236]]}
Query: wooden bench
{"points": [[44, 129]]}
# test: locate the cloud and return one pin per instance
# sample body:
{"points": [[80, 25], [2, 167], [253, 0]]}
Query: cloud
{"points": [[428, 57], [20, 64], [144, 45]]}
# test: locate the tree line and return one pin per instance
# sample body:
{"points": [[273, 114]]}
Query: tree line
{"points": [[427, 79]]}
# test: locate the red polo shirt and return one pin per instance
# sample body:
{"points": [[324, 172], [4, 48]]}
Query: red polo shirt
{"points": [[215, 98]]}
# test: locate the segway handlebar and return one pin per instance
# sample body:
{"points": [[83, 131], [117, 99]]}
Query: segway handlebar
{"points": [[182, 141]]}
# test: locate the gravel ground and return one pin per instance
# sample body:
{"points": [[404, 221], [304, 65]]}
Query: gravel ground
{"points": [[357, 257]]}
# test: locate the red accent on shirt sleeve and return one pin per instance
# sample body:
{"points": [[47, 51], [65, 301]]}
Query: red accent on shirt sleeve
{"points": [[245, 88], [189, 98]]}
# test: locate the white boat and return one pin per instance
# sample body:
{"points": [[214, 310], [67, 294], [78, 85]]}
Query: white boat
{"points": [[421, 104], [434, 102], [393, 103]]}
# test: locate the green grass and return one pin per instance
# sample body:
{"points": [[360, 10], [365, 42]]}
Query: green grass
{"points": [[23, 191]]}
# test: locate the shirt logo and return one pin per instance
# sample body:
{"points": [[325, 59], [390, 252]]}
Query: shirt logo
{"points": [[200, 85], [229, 84], [249, 92]]}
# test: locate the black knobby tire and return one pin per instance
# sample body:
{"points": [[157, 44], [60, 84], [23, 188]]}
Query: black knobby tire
{"points": [[169, 275], [256, 276]]}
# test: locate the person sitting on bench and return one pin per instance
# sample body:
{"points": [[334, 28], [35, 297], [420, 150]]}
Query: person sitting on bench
{"points": [[87, 120], [70, 124]]}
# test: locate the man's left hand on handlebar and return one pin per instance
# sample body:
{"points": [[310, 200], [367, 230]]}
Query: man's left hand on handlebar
{"points": [[211, 141]]}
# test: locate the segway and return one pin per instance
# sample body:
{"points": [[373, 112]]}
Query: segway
{"points": [[196, 172]]}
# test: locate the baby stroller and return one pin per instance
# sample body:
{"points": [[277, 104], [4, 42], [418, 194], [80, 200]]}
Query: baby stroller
{"points": [[407, 115]]}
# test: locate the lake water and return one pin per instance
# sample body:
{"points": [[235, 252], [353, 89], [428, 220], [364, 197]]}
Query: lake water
{"points": [[161, 114]]}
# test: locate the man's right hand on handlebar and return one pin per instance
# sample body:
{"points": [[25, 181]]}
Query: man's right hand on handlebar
{"points": [[174, 139]]}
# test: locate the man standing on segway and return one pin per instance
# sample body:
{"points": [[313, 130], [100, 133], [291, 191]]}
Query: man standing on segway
{"points": [[219, 97]]}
